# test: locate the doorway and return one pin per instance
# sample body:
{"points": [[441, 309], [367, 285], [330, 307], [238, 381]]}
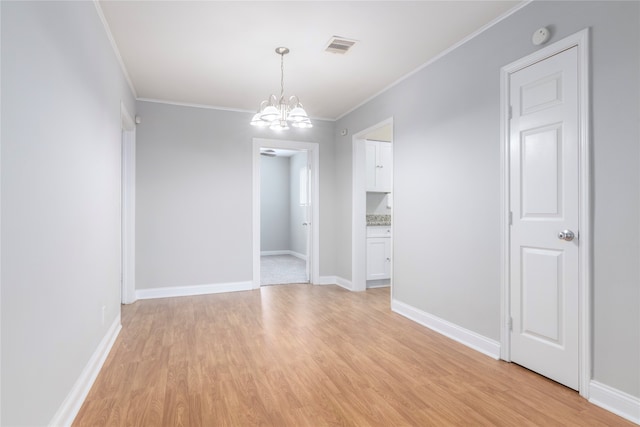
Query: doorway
{"points": [[546, 220], [372, 190], [284, 216], [285, 212]]}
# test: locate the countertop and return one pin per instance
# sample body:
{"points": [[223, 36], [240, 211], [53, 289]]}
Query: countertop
{"points": [[378, 220]]}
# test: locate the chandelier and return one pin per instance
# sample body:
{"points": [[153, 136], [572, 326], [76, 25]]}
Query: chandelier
{"points": [[278, 113]]}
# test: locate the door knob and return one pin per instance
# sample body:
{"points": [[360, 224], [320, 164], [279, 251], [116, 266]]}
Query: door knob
{"points": [[566, 235]]}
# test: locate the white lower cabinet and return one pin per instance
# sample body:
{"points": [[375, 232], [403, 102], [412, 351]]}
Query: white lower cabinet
{"points": [[378, 253]]}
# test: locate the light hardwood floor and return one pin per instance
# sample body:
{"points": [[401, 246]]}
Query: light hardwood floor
{"points": [[302, 355]]}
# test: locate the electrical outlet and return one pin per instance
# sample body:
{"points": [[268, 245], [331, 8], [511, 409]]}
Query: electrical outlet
{"points": [[104, 314]]}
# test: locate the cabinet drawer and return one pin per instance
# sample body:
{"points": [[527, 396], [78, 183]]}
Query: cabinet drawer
{"points": [[379, 231]]}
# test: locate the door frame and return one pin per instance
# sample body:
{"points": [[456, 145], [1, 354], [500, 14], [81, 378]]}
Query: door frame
{"points": [[359, 208], [128, 207], [313, 153], [585, 255]]}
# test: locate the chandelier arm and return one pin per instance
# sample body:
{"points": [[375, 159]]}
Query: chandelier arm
{"points": [[294, 101]]}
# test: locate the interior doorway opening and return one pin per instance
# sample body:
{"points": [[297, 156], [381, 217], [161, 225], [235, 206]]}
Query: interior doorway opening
{"points": [[284, 216], [285, 212], [372, 225]]}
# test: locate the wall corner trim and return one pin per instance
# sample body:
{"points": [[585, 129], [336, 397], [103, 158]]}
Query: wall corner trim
{"points": [[74, 400], [614, 400], [457, 333], [184, 291]]}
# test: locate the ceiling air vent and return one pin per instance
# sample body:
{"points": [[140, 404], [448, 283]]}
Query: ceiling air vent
{"points": [[339, 45]]}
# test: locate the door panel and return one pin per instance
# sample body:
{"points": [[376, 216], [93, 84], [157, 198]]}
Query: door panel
{"points": [[542, 294], [541, 94], [544, 172], [541, 191]]}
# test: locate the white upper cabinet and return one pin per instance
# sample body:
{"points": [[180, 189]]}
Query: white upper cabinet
{"points": [[379, 163]]}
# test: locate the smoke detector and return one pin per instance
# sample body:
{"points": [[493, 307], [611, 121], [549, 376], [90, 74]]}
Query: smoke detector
{"points": [[339, 45]]}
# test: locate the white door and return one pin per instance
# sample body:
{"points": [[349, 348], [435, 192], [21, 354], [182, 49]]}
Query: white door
{"points": [[544, 173]]}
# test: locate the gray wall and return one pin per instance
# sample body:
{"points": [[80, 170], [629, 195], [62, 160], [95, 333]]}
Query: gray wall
{"points": [[275, 215], [298, 232], [60, 233], [194, 194], [447, 188]]}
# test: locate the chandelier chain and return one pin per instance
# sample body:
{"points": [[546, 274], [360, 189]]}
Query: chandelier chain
{"points": [[281, 75]]}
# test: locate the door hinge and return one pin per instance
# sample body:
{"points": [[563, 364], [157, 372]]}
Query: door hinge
{"points": [[510, 218], [510, 112], [510, 323]]}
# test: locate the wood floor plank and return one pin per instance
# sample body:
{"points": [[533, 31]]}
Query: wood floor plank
{"points": [[302, 355]]}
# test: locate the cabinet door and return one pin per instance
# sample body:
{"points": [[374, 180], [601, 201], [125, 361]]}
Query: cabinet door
{"points": [[371, 165], [379, 165], [378, 258], [385, 167]]}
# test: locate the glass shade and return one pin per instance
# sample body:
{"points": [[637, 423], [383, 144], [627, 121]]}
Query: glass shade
{"points": [[298, 115], [279, 125], [270, 113], [304, 124], [257, 121]]}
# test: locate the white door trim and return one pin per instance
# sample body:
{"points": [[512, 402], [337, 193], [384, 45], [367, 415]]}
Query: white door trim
{"points": [[359, 210], [581, 41], [313, 150], [128, 225]]}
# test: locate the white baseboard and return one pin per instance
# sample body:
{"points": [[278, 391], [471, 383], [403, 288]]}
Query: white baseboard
{"points": [[269, 253], [457, 333], [344, 283], [382, 283], [183, 291], [284, 252], [298, 255], [614, 400], [327, 280], [74, 400], [336, 280]]}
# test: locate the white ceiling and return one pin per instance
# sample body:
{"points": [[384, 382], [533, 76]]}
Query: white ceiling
{"points": [[221, 53]]}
